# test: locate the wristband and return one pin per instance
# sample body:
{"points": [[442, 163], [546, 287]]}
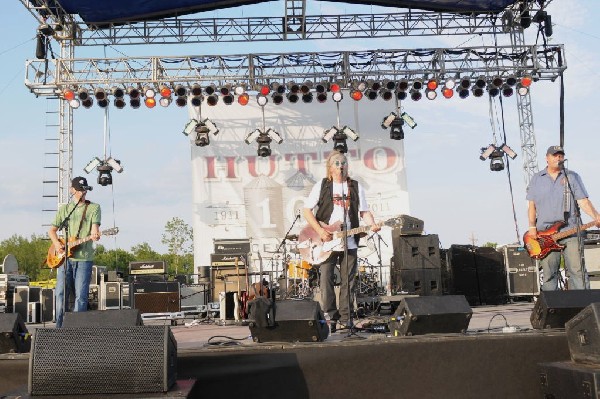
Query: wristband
{"points": [[532, 227]]}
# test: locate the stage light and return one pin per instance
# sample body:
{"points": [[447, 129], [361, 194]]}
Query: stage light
{"points": [[277, 98], [119, 102], [526, 80], [493, 91], [464, 93], [417, 84], [321, 97], [508, 151], [83, 94], [239, 90], [522, 90], [430, 94], [321, 87], [293, 88], [278, 88], [350, 133], [496, 156], [401, 95], [165, 101], [507, 91], [276, 137], [74, 103], [133, 103], [196, 90], [402, 85], [210, 89], [359, 85], [225, 90], [465, 83], [373, 85], [115, 164], [339, 142], [497, 81], [450, 83], [432, 84], [337, 96], [180, 91], [496, 161], [133, 93], [307, 97], [389, 84], [480, 82], [486, 152], [228, 99], [100, 94], [250, 137], [264, 145], [408, 120], [150, 102], [415, 95], [371, 94], [387, 121], [292, 97], [212, 100], [118, 92], [196, 101], [448, 92], [386, 94], [356, 95], [103, 103], [396, 131], [243, 99], [149, 92], [264, 90], [189, 127], [511, 80], [68, 94], [335, 88], [92, 165], [88, 102], [262, 100], [202, 138], [477, 91], [305, 87], [181, 101], [328, 134], [104, 175], [165, 91]]}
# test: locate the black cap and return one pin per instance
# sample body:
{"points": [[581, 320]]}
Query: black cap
{"points": [[555, 149], [80, 184]]}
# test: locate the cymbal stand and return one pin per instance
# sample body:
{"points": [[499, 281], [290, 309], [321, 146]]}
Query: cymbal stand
{"points": [[378, 251], [282, 245]]}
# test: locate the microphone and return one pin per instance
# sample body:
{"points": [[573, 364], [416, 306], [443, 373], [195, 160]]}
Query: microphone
{"points": [[87, 188], [561, 164]]}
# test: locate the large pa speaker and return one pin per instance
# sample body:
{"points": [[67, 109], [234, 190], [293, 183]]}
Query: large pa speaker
{"points": [[583, 334], [102, 360], [554, 308], [48, 304], [431, 314], [286, 321], [103, 318], [14, 337]]}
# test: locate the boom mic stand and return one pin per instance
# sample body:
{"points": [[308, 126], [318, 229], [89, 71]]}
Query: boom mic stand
{"points": [[64, 225], [282, 245], [577, 212], [379, 261]]}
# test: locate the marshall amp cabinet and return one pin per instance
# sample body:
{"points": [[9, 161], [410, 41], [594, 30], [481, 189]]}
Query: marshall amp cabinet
{"points": [[228, 260], [155, 296], [153, 267], [232, 246]]}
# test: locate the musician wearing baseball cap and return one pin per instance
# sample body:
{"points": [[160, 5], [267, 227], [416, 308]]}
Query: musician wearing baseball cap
{"points": [[553, 196], [80, 221]]}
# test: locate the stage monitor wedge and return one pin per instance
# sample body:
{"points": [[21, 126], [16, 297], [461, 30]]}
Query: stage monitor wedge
{"points": [[554, 308]]}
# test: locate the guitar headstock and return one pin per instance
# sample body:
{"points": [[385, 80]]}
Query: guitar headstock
{"points": [[110, 232], [393, 222]]}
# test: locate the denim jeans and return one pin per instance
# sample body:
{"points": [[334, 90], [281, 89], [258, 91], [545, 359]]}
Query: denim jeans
{"points": [[551, 264], [78, 274], [328, 299]]}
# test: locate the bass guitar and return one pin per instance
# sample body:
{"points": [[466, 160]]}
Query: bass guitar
{"points": [[55, 259], [313, 250], [546, 240]]}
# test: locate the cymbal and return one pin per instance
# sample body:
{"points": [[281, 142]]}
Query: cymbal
{"points": [[292, 237]]}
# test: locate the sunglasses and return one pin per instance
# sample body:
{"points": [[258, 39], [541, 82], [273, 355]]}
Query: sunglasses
{"points": [[341, 163]]}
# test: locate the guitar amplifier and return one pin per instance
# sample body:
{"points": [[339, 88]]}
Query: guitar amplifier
{"points": [[231, 246], [154, 267], [228, 259], [592, 257], [408, 225], [156, 297]]}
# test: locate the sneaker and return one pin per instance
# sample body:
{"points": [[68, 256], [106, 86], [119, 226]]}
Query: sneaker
{"points": [[332, 326], [344, 326]]}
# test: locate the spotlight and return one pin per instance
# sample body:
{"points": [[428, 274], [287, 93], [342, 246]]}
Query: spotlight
{"points": [[373, 84], [465, 83], [396, 131], [278, 88], [350, 133], [189, 127], [511, 80], [389, 84], [202, 137], [448, 92], [150, 102], [180, 91], [477, 91], [264, 145], [165, 91], [508, 151], [496, 156], [408, 120], [387, 121], [293, 87], [210, 89], [497, 81], [450, 83], [264, 90], [432, 84], [417, 84], [276, 137], [356, 95], [196, 90], [115, 164], [93, 164], [277, 98], [181, 101], [292, 97], [250, 137], [496, 161], [133, 103], [305, 87], [337, 96], [507, 90], [328, 134], [493, 91], [322, 97], [243, 99], [118, 92], [522, 90], [402, 85], [196, 101], [228, 99], [212, 100], [262, 100], [526, 80], [103, 103], [401, 95], [100, 94], [149, 92], [480, 82], [430, 94], [83, 94], [225, 90], [74, 103], [68, 94], [119, 102], [359, 85], [339, 142], [307, 97], [133, 92], [87, 103], [165, 101], [415, 95], [371, 94], [104, 176], [386, 94], [239, 90]]}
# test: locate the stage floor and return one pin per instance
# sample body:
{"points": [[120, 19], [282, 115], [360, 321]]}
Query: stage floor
{"points": [[488, 361]]}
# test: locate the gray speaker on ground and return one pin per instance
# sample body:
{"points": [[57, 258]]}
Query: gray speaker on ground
{"points": [[554, 308], [14, 337], [102, 360], [103, 318], [431, 314]]}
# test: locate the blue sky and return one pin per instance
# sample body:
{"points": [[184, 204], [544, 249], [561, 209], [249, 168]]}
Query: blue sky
{"points": [[454, 192]]}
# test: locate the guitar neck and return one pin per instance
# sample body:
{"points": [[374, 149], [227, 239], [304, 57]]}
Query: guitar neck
{"points": [[82, 240], [566, 233], [358, 230]]}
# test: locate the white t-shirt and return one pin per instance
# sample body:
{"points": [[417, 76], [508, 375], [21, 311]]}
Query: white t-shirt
{"points": [[338, 189]]}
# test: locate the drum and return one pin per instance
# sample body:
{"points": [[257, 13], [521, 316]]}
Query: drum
{"points": [[298, 269]]}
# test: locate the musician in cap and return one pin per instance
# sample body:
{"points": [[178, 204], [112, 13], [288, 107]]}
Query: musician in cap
{"points": [[331, 198], [550, 197], [81, 218]]}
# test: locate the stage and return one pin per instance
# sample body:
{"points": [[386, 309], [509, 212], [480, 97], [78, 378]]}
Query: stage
{"points": [[490, 361]]}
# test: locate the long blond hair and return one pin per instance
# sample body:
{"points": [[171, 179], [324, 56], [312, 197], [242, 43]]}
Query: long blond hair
{"points": [[334, 156]]}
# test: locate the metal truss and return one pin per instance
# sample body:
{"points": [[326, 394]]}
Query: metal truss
{"points": [[45, 77]]}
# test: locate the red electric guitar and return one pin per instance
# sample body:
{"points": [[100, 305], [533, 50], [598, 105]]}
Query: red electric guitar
{"points": [[545, 243]]}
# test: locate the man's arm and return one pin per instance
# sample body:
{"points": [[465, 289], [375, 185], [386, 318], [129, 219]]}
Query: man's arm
{"points": [[589, 209], [367, 216], [53, 234], [532, 217], [314, 223]]}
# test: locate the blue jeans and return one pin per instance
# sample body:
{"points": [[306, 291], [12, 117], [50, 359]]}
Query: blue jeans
{"points": [[78, 274], [551, 267], [327, 281]]}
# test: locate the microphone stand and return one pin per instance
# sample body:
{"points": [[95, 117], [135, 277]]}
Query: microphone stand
{"points": [[64, 225], [282, 245], [378, 250], [577, 213]]}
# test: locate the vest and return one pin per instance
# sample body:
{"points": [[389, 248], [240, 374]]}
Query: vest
{"points": [[325, 203]]}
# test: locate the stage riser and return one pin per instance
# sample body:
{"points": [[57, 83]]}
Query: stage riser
{"points": [[453, 366]]}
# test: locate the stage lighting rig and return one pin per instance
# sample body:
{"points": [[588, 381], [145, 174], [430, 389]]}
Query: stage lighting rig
{"points": [[264, 140], [395, 123], [339, 136], [496, 155], [104, 169]]}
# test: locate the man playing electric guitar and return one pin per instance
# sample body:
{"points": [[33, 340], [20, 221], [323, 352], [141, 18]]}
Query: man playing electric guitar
{"points": [[333, 196], [549, 201], [75, 273]]}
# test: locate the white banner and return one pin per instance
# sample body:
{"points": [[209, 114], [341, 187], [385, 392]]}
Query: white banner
{"points": [[239, 195]]}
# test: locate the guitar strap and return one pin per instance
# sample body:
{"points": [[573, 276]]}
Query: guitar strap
{"points": [[82, 217]]}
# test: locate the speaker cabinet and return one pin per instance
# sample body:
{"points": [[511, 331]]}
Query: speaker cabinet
{"points": [[48, 304], [427, 315], [416, 252], [522, 276], [111, 295], [583, 334], [287, 321], [21, 301], [554, 308], [156, 297], [418, 281], [592, 257], [102, 360], [102, 318], [226, 279], [569, 380], [14, 337]]}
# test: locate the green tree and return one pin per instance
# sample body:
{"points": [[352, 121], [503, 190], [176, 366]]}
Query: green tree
{"points": [[178, 237], [491, 244], [30, 253], [113, 259], [143, 252]]}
